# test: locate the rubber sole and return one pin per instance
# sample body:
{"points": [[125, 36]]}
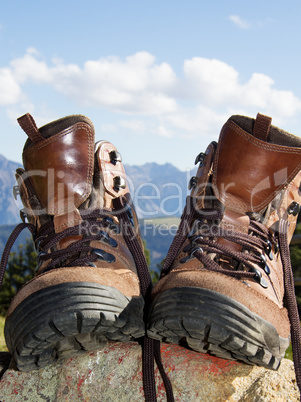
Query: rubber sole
{"points": [[209, 322], [64, 320]]}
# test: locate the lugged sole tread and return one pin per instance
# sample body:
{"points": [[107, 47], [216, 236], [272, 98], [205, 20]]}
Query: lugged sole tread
{"points": [[209, 322], [48, 326]]}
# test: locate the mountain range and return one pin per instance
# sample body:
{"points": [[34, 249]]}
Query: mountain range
{"points": [[157, 190], [9, 213]]}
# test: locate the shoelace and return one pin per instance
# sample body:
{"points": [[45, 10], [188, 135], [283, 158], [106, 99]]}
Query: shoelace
{"points": [[290, 299], [259, 237], [151, 347], [80, 253]]}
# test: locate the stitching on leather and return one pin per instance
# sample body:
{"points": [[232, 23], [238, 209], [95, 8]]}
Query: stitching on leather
{"points": [[261, 144], [242, 205], [89, 171], [63, 133]]}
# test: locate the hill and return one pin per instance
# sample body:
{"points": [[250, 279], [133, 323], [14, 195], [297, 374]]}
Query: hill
{"points": [[9, 212], [158, 190]]}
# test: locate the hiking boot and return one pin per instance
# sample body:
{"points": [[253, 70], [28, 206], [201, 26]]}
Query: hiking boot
{"points": [[78, 207], [223, 282]]}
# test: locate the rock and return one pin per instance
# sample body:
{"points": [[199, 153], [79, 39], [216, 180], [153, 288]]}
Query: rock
{"points": [[114, 374]]}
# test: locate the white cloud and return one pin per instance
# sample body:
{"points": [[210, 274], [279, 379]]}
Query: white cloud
{"points": [[239, 22], [193, 122], [163, 130], [214, 83], [135, 85], [30, 68], [211, 80], [170, 105], [18, 110], [133, 125], [10, 91]]}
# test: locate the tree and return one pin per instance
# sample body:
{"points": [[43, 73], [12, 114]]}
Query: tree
{"points": [[296, 251], [146, 253], [155, 275], [20, 269]]}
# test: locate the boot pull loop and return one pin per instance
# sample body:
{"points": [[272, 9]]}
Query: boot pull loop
{"points": [[262, 127], [28, 124]]}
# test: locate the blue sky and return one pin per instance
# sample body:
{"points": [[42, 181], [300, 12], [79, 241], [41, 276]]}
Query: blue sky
{"points": [[158, 79]]}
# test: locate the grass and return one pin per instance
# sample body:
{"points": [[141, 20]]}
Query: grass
{"points": [[3, 347], [289, 353]]}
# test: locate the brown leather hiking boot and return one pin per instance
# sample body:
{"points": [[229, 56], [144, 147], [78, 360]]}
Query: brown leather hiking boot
{"points": [[225, 276], [77, 203]]}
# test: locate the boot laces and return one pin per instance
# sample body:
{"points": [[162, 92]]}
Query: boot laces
{"points": [[203, 231], [255, 246], [79, 253]]}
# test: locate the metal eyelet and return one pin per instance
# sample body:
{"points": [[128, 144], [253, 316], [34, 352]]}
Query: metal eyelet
{"points": [[111, 224], [115, 157], [197, 225], [103, 255], [107, 239], [119, 182], [113, 242], [268, 250], [196, 249], [259, 278], [24, 215], [90, 264], [200, 158], [39, 257], [193, 242], [264, 264], [191, 254], [16, 192], [187, 248], [38, 242], [129, 212], [293, 209], [39, 261], [192, 182], [195, 238]]}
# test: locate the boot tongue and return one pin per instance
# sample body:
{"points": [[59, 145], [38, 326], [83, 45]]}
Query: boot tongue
{"points": [[59, 161]]}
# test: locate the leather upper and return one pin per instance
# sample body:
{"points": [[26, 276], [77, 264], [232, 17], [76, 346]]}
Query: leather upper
{"points": [[245, 178], [67, 177], [61, 168], [248, 172]]}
